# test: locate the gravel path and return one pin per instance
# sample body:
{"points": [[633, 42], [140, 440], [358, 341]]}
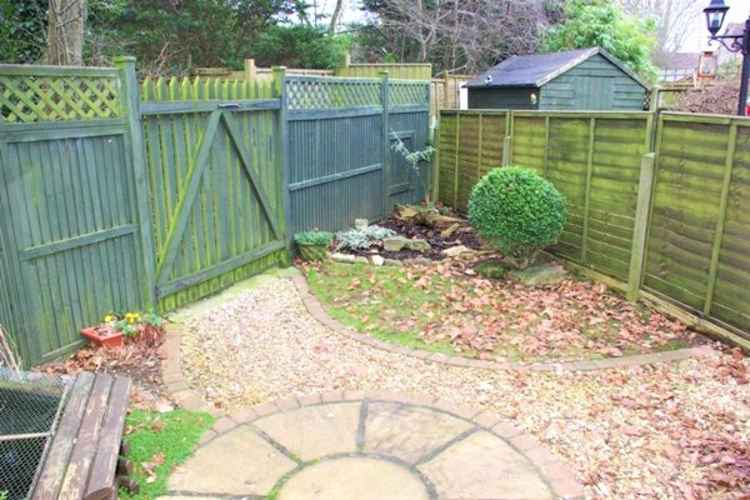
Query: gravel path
{"points": [[630, 433]]}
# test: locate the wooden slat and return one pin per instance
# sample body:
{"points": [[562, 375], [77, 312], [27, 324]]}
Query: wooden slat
{"points": [[53, 469], [82, 457], [101, 482]]}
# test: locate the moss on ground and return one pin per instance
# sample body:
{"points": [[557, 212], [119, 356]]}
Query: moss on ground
{"points": [[159, 442], [379, 301]]}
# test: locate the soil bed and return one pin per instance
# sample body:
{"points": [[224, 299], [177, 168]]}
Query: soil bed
{"points": [[445, 307], [463, 235]]}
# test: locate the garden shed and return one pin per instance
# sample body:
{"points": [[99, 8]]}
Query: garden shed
{"points": [[583, 79]]}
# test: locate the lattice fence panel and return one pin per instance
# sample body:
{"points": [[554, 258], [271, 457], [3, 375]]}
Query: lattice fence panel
{"points": [[307, 93], [408, 93], [32, 98]]}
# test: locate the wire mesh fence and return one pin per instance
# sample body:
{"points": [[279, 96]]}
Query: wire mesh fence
{"points": [[30, 406]]}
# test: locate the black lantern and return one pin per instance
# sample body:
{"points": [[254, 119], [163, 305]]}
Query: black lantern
{"points": [[715, 14]]}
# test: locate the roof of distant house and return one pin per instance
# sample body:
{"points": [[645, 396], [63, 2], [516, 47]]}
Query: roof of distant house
{"points": [[537, 69], [679, 60]]}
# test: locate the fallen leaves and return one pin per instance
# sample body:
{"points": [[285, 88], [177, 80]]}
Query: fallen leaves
{"points": [[149, 468], [493, 319]]}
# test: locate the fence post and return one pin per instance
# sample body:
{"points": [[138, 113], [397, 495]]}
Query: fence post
{"points": [[436, 166], [251, 72], [456, 167], [637, 255], [508, 139], [721, 222], [479, 149], [545, 165], [384, 99], [131, 108], [282, 148], [587, 200]]}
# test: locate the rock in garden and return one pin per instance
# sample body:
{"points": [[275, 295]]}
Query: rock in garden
{"points": [[418, 261], [456, 251], [448, 232], [541, 274], [418, 245], [393, 262], [377, 260], [343, 257], [361, 224], [395, 243]]}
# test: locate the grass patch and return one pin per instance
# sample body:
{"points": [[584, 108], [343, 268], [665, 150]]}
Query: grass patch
{"points": [[158, 442], [380, 301]]}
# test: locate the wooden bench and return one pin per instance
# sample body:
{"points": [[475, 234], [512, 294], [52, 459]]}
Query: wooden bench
{"points": [[82, 459]]}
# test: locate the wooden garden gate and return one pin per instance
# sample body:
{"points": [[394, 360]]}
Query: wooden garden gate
{"points": [[215, 181]]}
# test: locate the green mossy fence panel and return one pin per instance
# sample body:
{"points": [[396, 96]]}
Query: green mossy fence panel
{"points": [[698, 237], [618, 146], [74, 231], [341, 166], [730, 302], [529, 139], [473, 138], [70, 229], [447, 145], [691, 163]]}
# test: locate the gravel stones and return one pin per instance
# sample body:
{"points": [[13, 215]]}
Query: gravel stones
{"points": [[621, 429]]}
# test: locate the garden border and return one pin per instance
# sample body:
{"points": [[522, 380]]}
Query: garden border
{"points": [[316, 310]]}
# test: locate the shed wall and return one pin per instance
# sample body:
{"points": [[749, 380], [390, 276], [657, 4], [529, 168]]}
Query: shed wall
{"points": [[595, 84], [502, 98]]}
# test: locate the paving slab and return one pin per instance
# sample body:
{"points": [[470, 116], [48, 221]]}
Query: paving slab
{"points": [[239, 462], [370, 446], [484, 466], [315, 431], [409, 432], [351, 478]]}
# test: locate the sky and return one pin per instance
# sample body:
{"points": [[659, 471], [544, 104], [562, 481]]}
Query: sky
{"points": [[738, 12], [697, 41]]}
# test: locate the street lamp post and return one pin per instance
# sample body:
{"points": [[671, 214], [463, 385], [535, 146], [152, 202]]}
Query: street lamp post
{"points": [[716, 12]]}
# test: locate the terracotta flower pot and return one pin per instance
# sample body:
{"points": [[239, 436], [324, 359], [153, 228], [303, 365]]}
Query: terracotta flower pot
{"points": [[103, 336]]}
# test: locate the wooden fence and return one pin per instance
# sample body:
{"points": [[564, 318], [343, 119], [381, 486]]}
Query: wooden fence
{"points": [[340, 160], [657, 203], [116, 196]]}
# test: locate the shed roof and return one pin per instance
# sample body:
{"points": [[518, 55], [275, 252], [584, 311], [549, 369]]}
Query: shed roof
{"points": [[537, 69]]}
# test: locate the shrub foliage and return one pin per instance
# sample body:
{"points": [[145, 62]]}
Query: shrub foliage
{"points": [[518, 211], [314, 238]]}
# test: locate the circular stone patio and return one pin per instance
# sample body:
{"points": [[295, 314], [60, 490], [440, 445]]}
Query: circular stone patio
{"points": [[355, 446]]}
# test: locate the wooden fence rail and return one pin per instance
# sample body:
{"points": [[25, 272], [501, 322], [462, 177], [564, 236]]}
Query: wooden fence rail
{"points": [[657, 203]]}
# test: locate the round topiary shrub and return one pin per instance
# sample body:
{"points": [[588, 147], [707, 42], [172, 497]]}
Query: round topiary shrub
{"points": [[518, 211]]}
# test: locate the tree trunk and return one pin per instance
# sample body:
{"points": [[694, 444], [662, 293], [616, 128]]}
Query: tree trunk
{"points": [[67, 19], [335, 17]]}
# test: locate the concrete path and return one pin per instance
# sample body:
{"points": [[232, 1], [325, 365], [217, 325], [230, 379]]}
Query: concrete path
{"points": [[356, 446]]}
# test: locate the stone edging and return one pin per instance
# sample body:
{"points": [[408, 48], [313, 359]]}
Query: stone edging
{"points": [[559, 476], [173, 378], [316, 310]]}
